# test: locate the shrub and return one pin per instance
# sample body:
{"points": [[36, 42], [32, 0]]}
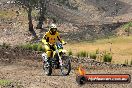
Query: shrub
{"points": [[70, 52], [131, 62], [78, 54], [4, 82], [127, 25], [126, 62], [97, 51], [35, 47], [107, 57], [82, 54], [40, 48], [27, 46], [93, 55]]}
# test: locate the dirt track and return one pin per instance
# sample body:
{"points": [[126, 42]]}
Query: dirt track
{"points": [[27, 72]]}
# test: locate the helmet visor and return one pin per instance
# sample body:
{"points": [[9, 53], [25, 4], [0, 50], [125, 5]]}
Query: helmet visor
{"points": [[53, 30]]}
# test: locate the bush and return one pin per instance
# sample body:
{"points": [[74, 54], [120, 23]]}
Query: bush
{"points": [[82, 54], [70, 52], [97, 51], [93, 55], [27, 46], [40, 48], [5, 82], [126, 62], [127, 25], [107, 57], [131, 62], [78, 54], [35, 47]]}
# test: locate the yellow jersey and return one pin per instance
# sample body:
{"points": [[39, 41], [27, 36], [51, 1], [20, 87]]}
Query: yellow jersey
{"points": [[48, 37]]}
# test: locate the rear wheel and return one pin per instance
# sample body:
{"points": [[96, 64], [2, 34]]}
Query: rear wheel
{"points": [[66, 66]]}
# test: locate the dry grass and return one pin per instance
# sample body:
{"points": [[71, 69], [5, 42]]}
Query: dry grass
{"points": [[11, 14], [7, 14], [121, 47]]}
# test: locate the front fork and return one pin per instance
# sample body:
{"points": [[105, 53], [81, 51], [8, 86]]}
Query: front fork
{"points": [[60, 60], [45, 59]]}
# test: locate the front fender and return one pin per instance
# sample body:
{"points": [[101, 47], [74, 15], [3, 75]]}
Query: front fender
{"points": [[64, 51]]}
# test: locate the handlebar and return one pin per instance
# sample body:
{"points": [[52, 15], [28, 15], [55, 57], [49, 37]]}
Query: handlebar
{"points": [[58, 43], [64, 43]]}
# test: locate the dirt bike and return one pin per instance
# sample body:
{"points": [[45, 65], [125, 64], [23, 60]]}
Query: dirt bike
{"points": [[59, 61]]}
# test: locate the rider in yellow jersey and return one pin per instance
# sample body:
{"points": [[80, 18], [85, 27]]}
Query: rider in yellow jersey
{"points": [[49, 40]]}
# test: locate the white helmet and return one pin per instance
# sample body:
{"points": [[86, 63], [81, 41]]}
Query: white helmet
{"points": [[53, 28]]}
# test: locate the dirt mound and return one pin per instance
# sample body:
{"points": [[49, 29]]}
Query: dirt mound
{"points": [[12, 55]]}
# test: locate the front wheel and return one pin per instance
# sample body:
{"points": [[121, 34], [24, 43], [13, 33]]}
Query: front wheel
{"points": [[66, 65], [47, 69]]}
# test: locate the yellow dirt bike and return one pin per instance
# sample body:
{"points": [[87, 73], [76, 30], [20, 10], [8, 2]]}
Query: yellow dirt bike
{"points": [[59, 61]]}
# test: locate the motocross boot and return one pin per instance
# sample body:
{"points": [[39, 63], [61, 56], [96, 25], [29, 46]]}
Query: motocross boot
{"points": [[47, 62], [45, 59]]}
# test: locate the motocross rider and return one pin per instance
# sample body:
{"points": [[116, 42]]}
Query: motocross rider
{"points": [[49, 40]]}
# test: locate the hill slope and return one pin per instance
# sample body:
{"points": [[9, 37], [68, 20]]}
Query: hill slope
{"points": [[94, 11], [92, 19]]}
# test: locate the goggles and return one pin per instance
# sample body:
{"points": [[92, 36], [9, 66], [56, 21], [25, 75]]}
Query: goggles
{"points": [[53, 29]]}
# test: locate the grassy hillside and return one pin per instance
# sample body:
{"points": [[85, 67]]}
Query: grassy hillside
{"points": [[120, 47]]}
